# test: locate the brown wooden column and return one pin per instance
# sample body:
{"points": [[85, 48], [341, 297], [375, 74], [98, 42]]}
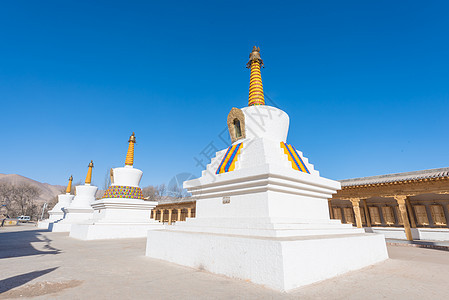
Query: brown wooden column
{"points": [[179, 214], [189, 212], [162, 216], [170, 211], [400, 199], [410, 212], [356, 207], [331, 213], [367, 215]]}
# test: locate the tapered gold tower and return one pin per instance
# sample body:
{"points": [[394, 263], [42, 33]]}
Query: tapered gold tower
{"points": [[130, 154], [69, 186], [255, 82], [89, 173]]}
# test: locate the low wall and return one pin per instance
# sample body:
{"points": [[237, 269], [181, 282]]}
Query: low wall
{"points": [[435, 234]]}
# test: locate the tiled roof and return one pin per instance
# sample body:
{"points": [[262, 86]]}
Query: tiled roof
{"points": [[173, 200], [397, 177]]}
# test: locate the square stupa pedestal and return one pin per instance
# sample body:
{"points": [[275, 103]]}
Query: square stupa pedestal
{"points": [[268, 229], [116, 218], [72, 216]]}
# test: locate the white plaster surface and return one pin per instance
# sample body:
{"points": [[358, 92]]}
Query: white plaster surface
{"points": [[115, 218], [434, 234], [78, 211], [282, 264], [127, 176], [56, 213]]}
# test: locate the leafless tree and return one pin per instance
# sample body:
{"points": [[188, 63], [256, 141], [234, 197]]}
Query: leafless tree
{"points": [[24, 196], [154, 193], [6, 199]]}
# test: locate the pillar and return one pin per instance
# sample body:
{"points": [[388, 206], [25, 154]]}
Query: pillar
{"points": [[400, 199], [356, 207], [179, 214], [189, 212], [331, 213], [410, 211], [367, 216], [162, 216], [169, 216]]}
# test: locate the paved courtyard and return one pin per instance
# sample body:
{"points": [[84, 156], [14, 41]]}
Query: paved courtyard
{"points": [[41, 264]]}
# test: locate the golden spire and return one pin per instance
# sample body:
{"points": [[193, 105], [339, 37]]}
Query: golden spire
{"points": [[255, 81], [130, 155], [89, 173], [69, 186], [111, 174]]}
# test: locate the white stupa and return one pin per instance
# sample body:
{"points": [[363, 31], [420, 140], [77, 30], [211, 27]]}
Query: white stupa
{"points": [[262, 209], [80, 208], [122, 212], [56, 213]]}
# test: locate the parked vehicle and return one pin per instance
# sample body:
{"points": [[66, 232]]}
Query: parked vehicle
{"points": [[24, 219]]}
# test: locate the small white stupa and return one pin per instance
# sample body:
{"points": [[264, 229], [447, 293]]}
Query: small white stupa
{"points": [[56, 213], [79, 209], [122, 212], [262, 209]]}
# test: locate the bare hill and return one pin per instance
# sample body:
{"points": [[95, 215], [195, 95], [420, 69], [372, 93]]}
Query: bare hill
{"points": [[48, 191]]}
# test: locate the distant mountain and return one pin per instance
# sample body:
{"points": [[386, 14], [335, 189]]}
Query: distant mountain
{"points": [[48, 191]]}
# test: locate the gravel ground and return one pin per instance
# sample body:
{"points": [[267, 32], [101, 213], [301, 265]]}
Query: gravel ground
{"points": [[45, 265]]}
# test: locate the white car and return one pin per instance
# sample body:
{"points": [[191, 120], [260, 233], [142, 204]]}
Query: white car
{"points": [[24, 219]]}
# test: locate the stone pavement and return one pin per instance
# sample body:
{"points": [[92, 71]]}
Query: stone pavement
{"points": [[46, 265]]}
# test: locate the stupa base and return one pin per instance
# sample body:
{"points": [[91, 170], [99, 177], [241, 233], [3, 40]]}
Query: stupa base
{"points": [[43, 224], [100, 231], [72, 216], [280, 263]]}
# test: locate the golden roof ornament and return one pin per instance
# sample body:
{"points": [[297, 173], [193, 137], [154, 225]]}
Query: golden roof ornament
{"points": [[69, 186], [89, 173], [130, 154], [256, 96]]}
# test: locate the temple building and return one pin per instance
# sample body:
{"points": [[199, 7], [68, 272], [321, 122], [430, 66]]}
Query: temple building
{"points": [[412, 205]]}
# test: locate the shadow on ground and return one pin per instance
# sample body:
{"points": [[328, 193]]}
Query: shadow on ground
{"points": [[17, 244], [15, 281]]}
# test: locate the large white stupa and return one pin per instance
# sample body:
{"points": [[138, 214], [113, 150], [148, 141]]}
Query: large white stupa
{"points": [[122, 212], [262, 209], [80, 208], [57, 213]]}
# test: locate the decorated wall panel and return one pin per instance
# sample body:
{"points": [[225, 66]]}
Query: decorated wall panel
{"points": [[387, 212], [349, 215], [437, 213], [375, 215], [421, 215]]}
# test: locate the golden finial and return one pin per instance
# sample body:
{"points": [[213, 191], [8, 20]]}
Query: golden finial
{"points": [[89, 172], [256, 96], [130, 154], [111, 174], [69, 186]]}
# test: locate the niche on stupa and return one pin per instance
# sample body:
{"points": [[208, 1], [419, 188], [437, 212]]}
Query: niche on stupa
{"points": [[236, 124]]}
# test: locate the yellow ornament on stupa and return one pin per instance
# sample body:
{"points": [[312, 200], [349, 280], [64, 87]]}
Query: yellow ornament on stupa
{"points": [[69, 186], [130, 154], [256, 96], [89, 173]]}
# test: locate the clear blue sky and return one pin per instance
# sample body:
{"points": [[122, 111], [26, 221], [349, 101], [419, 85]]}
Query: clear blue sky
{"points": [[366, 83]]}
